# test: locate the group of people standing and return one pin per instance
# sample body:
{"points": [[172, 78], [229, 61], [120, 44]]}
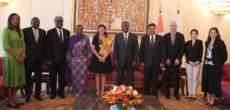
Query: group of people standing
{"points": [[69, 58]]}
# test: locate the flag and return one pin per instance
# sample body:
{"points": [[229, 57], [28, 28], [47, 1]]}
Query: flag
{"points": [[160, 29], [178, 21], [178, 18]]}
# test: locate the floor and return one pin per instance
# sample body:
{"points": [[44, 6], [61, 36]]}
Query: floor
{"points": [[68, 103]]}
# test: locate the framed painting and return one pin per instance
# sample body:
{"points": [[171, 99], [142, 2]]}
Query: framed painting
{"points": [[111, 13]]}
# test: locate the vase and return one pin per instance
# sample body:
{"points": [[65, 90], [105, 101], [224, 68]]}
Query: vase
{"points": [[114, 107]]}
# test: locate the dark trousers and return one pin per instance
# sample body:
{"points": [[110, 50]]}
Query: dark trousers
{"points": [[130, 75], [151, 74], [172, 70], [35, 67], [60, 70]]}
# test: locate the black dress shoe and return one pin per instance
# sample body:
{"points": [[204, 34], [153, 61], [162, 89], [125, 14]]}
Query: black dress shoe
{"points": [[193, 98], [61, 96], [188, 98], [39, 98], [167, 96], [52, 96], [177, 97], [27, 99], [10, 106]]}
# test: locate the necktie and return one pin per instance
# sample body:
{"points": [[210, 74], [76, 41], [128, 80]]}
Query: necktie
{"points": [[152, 40], [173, 39], [60, 34], [36, 34], [126, 39]]}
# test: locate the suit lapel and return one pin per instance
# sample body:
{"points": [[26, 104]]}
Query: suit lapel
{"points": [[40, 33], [148, 40], [58, 37], [170, 41], [214, 46], [156, 40], [176, 39], [129, 39], [123, 38], [32, 34]]}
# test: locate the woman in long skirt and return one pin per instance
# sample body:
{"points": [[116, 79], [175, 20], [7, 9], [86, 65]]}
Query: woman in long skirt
{"points": [[78, 55]]}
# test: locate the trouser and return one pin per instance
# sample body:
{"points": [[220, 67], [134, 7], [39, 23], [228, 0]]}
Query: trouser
{"points": [[151, 74], [130, 75], [35, 67], [192, 77], [172, 70], [60, 70]]}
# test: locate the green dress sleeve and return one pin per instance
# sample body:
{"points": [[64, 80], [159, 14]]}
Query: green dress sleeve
{"points": [[5, 39]]}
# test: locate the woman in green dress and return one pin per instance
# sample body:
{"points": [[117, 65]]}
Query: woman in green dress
{"points": [[13, 59]]}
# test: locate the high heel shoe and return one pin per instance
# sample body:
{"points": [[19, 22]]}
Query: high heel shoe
{"points": [[206, 103], [10, 106], [211, 105]]}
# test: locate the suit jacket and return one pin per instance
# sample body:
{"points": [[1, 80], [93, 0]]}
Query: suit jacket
{"points": [[175, 51], [193, 53], [35, 51], [56, 49], [152, 55], [125, 54], [219, 52]]}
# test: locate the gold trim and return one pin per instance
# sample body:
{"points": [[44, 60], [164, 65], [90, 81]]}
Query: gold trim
{"points": [[72, 17]]}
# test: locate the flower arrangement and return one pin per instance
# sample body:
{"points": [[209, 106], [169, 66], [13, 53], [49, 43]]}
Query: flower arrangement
{"points": [[124, 97]]}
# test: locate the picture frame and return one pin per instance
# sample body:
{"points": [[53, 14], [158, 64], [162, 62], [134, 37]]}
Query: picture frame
{"points": [[111, 13]]}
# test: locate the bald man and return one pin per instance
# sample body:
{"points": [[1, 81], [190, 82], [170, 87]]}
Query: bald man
{"points": [[57, 42], [174, 43], [35, 53]]}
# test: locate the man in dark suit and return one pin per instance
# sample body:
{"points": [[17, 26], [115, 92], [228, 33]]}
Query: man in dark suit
{"points": [[125, 54], [152, 58], [35, 54], [175, 44], [57, 42]]}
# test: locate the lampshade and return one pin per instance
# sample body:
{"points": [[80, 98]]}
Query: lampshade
{"points": [[217, 7]]}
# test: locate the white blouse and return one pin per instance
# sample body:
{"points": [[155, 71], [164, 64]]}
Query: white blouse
{"points": [[209, 55]]}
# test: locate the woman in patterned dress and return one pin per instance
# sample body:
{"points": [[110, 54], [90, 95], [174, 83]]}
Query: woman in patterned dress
{"points": [[78, 55]]}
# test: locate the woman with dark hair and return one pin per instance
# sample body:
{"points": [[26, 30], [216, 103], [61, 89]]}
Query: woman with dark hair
{"points": [[78, 55], [101, 61], [193, 53], [215, 56], [13, 59]]}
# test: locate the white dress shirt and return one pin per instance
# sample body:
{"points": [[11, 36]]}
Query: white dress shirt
{"points": [[127, 35]]}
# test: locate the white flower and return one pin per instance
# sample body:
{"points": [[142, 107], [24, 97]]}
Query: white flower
{"points": [[123, 88], [135, 93], [114, 87], [130, 88]]}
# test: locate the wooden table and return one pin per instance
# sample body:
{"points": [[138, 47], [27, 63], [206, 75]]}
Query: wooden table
{"points": [[92, 102]]}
